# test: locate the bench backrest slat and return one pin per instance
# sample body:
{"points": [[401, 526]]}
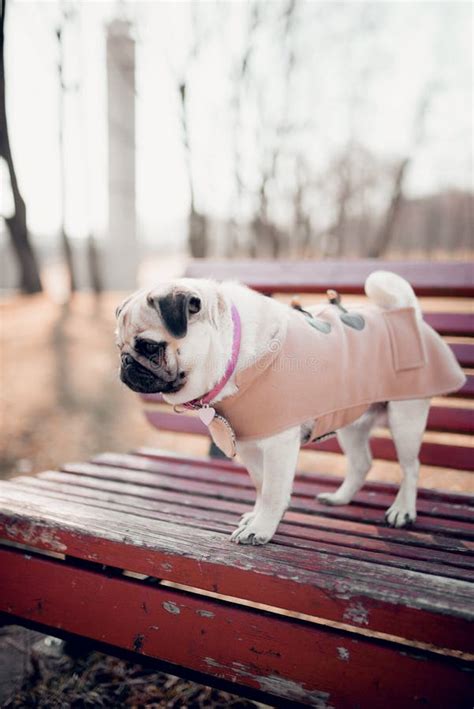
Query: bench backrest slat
{"points": [[428, 278]]}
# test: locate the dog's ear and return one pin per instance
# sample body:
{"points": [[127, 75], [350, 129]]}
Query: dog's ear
{"points": [[174, 309], [122, 305]]}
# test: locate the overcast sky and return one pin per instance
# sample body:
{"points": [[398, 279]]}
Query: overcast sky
{"points": [[361, 69]]}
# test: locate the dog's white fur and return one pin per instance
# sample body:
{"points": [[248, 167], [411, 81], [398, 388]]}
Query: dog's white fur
{"points": [[202, 356]]}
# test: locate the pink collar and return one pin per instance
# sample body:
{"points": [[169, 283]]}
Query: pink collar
{"points": [[229, 370]]}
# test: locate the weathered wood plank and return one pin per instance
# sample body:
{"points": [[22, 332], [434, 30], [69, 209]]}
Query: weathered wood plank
{"points": [[404, 603], [301, 662], [379, 499], [439, 563], [353, 512], [212, 508], [458, 519], [322, 478]]}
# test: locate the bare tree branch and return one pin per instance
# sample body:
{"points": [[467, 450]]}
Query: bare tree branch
{"points": [[30, 281]]}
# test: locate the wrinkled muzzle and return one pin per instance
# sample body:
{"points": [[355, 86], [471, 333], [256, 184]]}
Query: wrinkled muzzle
{"points": [[144, 381]]}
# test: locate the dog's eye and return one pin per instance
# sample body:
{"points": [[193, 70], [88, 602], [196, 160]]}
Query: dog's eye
{"points": [[194, 305], [149, 348]]}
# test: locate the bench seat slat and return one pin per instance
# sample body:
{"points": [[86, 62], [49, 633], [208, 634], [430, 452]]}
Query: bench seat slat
{"points": [[354, 512], [304, 495], [224, 464], [440, 563], [306, 582], [167, 474], [223, 510], [258, 650]]}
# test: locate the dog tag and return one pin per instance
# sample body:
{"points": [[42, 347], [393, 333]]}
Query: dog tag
{"points": [[223, 435], [206, 414]]}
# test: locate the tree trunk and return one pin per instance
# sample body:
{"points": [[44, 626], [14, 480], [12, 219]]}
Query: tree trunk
{"points": [[30, 281], [385, 235], [93, 262]]}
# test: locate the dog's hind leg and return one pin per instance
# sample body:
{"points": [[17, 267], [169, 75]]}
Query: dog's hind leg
{"points": [[354, 441], [407, 422]]}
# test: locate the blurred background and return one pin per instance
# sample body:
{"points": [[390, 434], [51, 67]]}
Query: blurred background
{"points": [[139, 134]]}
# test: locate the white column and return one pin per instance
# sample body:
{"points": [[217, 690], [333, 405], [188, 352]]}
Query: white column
{"points": [[121, 261]]}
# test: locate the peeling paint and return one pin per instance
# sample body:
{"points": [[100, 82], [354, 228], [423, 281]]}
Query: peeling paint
{"points": [[357, 613], [343, 589], [171, 607], [29, 533], [294, 691], [276, 685], [205, 614], [343, 653]]}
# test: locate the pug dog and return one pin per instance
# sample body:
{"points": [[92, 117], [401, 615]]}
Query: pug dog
{"points": [[193, 338]]}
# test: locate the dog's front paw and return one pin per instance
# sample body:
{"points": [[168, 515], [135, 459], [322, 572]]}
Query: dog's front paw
{"points": [[254, 531], [333, 498], [400, 515], [246, 518]]}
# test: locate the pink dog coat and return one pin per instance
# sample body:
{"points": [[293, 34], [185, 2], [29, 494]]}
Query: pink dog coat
{"points": [[332, 377]]}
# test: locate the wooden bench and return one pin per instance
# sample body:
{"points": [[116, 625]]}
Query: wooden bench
{"points": [[132, 552]]}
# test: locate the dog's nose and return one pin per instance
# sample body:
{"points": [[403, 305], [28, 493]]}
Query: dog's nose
{"points": [[127, 360]]}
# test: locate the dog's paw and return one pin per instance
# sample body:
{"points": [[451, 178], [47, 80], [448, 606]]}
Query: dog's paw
{"points": [[254, 531], [246, 518], [399, 515], [333, 498]]}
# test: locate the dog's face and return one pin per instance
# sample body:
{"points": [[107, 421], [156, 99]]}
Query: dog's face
{"points": [[170, 338]]}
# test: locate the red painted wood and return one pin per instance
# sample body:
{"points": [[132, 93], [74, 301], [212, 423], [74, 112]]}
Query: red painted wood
{"points": [[452, 324], [159, 474], [325, 479], [211, 508], [428, 278], [451, 419], [467, 391], [299, 661], [440, 563], [432, 453], [464, 353], [354, 512], [340, 589], [457, 457], [441, 418], [453, 516]]}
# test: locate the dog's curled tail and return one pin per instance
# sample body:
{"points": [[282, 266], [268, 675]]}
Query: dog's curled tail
{"points": [[388, 290]]}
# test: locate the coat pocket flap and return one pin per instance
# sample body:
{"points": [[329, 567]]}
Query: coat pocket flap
{"points": [[408, 349]]}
